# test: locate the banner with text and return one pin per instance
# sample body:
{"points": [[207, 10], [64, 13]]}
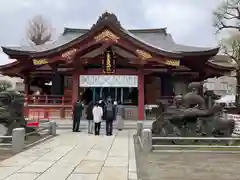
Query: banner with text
{"points": [[108, 81]]}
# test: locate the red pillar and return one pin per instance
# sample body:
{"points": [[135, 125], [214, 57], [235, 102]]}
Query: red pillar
{"points": [[75, 86], [141, 111]]}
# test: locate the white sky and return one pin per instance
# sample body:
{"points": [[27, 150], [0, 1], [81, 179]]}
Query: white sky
{"points": [[189, 21]]}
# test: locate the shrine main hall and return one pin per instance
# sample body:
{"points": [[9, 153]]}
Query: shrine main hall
{"points": [[136, 67]]}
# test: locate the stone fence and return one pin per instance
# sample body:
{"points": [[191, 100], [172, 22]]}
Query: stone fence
{"points": [[145, 139], [18, 138]]}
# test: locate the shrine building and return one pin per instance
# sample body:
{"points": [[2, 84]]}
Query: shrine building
{"points": [[136, 67]]}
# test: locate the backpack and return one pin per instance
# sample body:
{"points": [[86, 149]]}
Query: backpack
{"points": [[109, 111]]}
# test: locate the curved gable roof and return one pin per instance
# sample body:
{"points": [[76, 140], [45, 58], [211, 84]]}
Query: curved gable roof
{"points": [[157, 39]]}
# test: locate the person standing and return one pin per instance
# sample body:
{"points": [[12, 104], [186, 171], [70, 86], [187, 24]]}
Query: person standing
{"points": [[109, 116], [102, 104], [120, 114], [97, 118], [77, 114], [90, 117]]}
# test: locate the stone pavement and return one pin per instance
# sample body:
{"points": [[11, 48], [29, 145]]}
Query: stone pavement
{"points": [[75, 156], [128, 124]]}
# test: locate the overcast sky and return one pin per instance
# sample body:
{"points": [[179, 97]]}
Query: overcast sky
{"points": [[189, 21]]}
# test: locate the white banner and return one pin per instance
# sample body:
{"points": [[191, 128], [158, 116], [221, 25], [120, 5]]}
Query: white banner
{"points": [[108, 81], [236, 118]]}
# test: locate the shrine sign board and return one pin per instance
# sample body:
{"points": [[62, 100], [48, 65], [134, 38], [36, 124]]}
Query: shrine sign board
{"points": [[108, 81]]}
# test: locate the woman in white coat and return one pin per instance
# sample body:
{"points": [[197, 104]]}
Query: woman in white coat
{"points": [[97, 118]]}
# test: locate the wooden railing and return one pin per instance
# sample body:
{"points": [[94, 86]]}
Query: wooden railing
{"points": [[45, 107], [47, 100]]}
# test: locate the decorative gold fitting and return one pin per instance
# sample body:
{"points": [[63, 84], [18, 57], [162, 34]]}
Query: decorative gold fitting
{"points": [[143, 55], [39, 61], [106, 36]]}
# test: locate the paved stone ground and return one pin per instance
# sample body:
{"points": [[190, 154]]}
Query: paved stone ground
{"points": [[188, 165], [75, 156]]}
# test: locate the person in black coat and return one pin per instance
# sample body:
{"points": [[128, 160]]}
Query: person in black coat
{"points": [[109, 116], [77, 114], [90, 117]]}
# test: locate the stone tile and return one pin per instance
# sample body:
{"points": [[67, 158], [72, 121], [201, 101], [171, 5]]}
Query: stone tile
{"points": [[23, 176], [132, 165], [96, 155], [37, 167], [83, 177], [52, 156], [64, 148], [7, 171], [70, 160], [118, 152], [116, 173], [116, 162], [56, 173], [132, 176], [19, 161], [119, 148], [89, 167], [77, 153], [131, 150]]}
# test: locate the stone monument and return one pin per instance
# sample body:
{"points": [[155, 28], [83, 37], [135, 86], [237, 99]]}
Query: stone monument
{"points": [[11, 112], [190, 116]]}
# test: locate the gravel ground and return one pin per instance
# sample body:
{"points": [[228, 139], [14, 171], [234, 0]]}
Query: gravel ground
{"points": [[187, 165]]}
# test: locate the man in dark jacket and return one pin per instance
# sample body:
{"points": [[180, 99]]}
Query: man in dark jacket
{"points": [[109, 115], [77, 114], [90, 117]]}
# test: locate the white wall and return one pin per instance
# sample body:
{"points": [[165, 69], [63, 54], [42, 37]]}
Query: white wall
{"points": [[222, 85]]}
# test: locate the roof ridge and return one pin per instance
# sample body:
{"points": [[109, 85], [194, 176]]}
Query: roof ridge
{"points": [[140, 30]]}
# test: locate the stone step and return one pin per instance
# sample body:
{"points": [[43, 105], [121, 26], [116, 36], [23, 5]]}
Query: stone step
{"points": [[102, 127], [128, 124]]}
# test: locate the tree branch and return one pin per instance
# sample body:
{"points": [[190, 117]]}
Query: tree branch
{"points": [[227, 16], [39, 31]]}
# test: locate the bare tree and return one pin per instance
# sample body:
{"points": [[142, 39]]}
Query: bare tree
{"points": [[39, 30], [227, 17]]}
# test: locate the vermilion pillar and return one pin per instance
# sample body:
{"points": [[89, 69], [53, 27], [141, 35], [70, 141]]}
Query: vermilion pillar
{"points": [[141, 110], [75, 86]]}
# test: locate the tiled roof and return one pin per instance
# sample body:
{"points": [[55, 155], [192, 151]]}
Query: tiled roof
{"points": [[157, 38]]}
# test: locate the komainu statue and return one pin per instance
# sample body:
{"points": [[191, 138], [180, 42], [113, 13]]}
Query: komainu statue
{"points": [[11, 111], [189, 116]]}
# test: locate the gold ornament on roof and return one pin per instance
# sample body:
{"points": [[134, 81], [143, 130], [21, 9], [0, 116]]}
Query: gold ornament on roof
{"points": [[143, 55], [39, 61], [172, 62], [106, 36]]}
